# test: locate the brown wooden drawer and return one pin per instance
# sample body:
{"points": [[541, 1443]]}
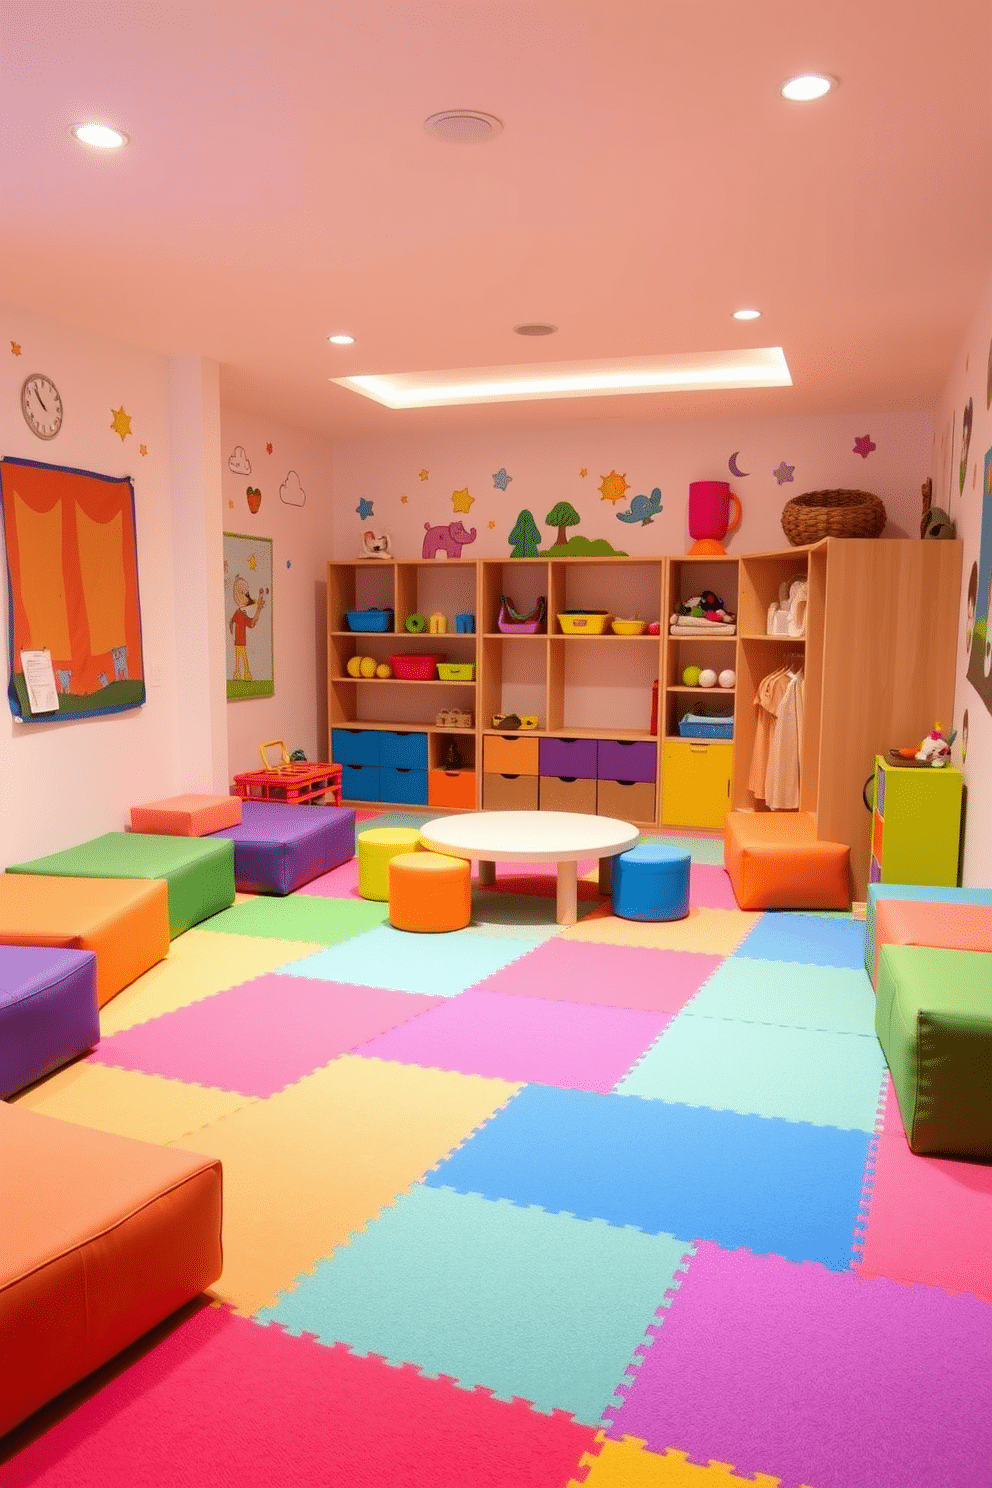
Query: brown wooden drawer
{"points": [[509, 792], [631, 801], [558, 793], [510, 754]]}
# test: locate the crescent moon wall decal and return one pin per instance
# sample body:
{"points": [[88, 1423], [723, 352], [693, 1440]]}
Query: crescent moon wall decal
{"points": [[733, 466]]}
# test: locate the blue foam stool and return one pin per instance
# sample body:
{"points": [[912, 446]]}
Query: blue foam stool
{"points": [[651, 883]]}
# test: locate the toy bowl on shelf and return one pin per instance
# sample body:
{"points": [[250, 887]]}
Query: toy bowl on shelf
{"points": [[585, 622], [410, 668], [514, 622], [456, 671], [371, 619], [629, 627]]}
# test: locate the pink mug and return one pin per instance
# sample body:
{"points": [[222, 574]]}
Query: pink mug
{"points": [[709, 513]]}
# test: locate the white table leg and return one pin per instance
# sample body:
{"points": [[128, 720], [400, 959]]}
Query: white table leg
{"points": [[487, 874], [568, 893], [606, 876]]}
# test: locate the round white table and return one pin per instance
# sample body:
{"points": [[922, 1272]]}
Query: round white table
{"points": [[561, 837]]}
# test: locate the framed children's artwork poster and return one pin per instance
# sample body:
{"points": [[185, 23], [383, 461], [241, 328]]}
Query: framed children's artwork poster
{"points": [[248, 615]]}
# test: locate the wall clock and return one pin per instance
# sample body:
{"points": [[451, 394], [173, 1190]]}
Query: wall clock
{"points": [[41, 405]]}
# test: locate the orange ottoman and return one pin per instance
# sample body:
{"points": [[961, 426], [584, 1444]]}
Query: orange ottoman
{"points": [[947, 927], [187, 816], [429, 891], [125, 921], [101, 1237], [776, 861]]}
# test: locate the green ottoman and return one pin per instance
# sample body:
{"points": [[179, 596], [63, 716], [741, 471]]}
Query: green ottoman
{"points": [[924, 893], [933, 1017], [199, 871]]}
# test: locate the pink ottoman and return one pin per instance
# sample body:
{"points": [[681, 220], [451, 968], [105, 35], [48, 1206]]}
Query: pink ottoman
{"points": [[187, 816], [948, 927]]}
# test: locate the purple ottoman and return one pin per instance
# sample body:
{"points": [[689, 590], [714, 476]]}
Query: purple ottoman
{"points": [[48, 1011], [277, 847]]}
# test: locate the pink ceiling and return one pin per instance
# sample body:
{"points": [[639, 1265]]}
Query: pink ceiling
{"points": [[649, 180]]}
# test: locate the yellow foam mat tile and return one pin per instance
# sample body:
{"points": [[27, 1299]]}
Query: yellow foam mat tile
{"points": [[199, 964], [315, 1163], [128, 1103], [718, 932], [628, 1464]]}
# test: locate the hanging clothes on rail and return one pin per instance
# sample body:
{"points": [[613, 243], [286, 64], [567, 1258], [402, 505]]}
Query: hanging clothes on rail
{"points": [[775, 775]]}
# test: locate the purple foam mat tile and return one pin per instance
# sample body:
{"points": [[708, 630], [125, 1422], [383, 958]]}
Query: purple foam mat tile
{"points": [[262, 1035], [607, 975], [537, 1041], [816, 1376]]}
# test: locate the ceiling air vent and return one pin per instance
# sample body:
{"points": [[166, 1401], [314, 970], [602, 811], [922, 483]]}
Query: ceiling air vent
{"points": [[535, 328], [463, 127]]}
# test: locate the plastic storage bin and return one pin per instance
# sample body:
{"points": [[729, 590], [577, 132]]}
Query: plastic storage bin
{"points": [[456, 671], [585, 622], [416, 668], [371, 619], [700, 726]]}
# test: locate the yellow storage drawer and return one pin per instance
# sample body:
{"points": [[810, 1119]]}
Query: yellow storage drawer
{"points": [[510, 754], [695, 782]]}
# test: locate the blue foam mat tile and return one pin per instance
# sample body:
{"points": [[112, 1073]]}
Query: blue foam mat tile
{"points": [[771, 1186], [490, 1294], [835, 999], [783, 935], [441, 965]]}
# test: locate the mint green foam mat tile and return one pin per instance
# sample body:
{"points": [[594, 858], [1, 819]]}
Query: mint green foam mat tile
{"points": [[520, 916], [305, 917], [700, 849], [397, 819], [508, 1298], [440, 965], [798, 1074], [834, 999]]}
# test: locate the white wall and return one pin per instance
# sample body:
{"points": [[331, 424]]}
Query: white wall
{"points": [[296, 515], [970, 507]]}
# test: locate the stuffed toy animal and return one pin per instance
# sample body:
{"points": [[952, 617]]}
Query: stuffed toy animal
{"points": [[376, 545]]}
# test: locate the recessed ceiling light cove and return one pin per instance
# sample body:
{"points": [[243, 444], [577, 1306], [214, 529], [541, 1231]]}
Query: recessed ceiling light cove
{"points": [[340, 338], [101, 136], [807, 86], [747, 314], [763, 366], [535, 328], [463, 126]]}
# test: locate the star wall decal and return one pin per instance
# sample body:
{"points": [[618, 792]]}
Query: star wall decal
{"points": [[583, 472], [425, 475], [252, 562], [863, 446], [492, 524], [404, 499], [142, 449], [461, 501], [15, 348], [121, 422], [364, 509], [500, 479], [784, 473], [268, 449], [231, 505]]}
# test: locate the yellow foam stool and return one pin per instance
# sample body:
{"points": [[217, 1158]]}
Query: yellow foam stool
{"points": [[429, 891], [376, 848]]}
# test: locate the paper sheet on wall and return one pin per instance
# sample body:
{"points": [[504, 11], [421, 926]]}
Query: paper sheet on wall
{"points": [[39, 678]]}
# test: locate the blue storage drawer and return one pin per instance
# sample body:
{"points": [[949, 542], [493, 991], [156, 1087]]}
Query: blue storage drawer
{"points": [[354, 746], [360, 783], [403, 751], [406, 786]]}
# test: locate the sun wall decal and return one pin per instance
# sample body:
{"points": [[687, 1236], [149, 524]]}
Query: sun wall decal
{"points": [[613, 487]]}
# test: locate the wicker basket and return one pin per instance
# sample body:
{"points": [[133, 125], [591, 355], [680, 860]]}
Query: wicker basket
{"points": [[806, 519]]}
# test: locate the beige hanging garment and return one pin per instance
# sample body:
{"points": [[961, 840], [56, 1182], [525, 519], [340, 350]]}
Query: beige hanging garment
{"points": [[769, 695], [782, 775]]}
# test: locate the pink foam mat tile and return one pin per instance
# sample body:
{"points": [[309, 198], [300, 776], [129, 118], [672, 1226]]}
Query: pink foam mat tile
{"points": [[710, 887], [340, 883], [541, 878], [608, 976], [927, 1219], [539, 1041], [814, 1376], [216, 1399], [892, 1125], [263, 1035]]}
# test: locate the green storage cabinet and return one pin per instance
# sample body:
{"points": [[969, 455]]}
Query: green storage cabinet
{"points": [[916, 824]]}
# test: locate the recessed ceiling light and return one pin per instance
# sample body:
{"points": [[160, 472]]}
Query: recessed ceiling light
{"points": [[341, 339], [535, 328], [694, 371], [99, 135], [747, 314], [807, 86], [463, 126]]}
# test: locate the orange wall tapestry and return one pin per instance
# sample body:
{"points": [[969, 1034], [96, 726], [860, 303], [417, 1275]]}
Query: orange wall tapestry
{"points": [[72, 574]]}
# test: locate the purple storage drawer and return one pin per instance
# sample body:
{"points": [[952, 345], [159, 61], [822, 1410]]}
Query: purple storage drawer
{"points": [[627, 759], [574, 759]]}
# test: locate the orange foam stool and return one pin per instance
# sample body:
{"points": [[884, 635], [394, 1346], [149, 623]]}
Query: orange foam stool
{"points": [[429, 891], [776, 861], [124, 921], [103, 1237], [376, 849], [187, 816], [946, 927]]}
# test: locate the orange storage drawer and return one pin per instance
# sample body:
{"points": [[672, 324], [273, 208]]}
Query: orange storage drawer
{"points": [[509, 792], [451, 788], [628, 800], [566, 793], [511, 754]]}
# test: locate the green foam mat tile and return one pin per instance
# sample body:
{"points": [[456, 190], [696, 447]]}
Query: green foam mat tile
{"points": [[305, 917]]}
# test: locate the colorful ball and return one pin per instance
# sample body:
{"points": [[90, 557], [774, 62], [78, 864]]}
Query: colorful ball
{"points": [[707, 678], [727, 678], [367, 667], [691, 676], [384, 669]]}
